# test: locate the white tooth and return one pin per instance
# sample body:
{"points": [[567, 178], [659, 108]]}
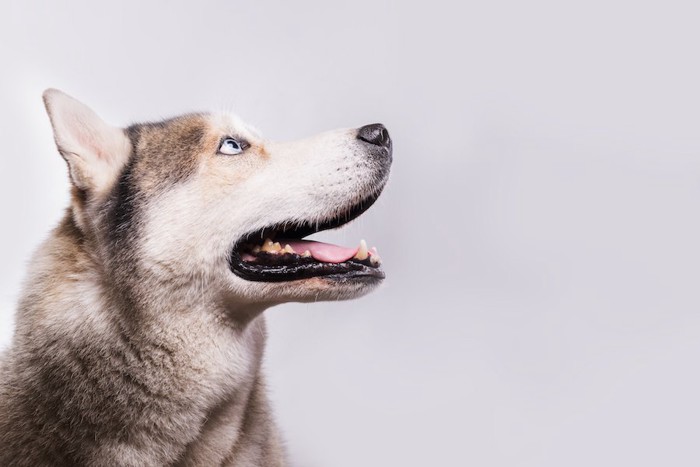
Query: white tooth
{"points": [[306, 254], [288, 249], [256, 249], [374, 258], [362, 252], [276, 247], [268, 246]]}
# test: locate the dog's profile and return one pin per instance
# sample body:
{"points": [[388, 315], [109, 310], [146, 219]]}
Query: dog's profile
{"points": [[139, 334]]}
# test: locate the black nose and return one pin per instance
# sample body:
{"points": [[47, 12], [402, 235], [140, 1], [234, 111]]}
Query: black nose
{"points": [[375, 134]]}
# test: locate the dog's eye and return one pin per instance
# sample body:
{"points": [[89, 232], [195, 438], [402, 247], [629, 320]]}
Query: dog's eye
{"points": [[231, 147]]}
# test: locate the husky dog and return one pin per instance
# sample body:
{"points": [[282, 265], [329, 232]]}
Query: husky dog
{"points": [[139, 335]]}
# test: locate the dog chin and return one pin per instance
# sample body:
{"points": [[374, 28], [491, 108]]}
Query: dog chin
{"points": [[306, 290], [328, 289]]}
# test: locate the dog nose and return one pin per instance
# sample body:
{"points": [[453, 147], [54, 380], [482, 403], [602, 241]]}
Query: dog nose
{"points": [[375, 134]]}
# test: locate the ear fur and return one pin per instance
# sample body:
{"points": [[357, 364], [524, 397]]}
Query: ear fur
{"points": [[95, 151]]}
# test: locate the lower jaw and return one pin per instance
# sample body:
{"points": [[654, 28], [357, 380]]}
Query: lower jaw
{"points": [[340, 272]]}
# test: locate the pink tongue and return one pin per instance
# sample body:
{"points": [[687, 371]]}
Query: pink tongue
{"points": [[324, 252]]}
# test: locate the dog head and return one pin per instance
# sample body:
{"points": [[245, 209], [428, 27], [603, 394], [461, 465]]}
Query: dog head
{"points": [[202, 201]]}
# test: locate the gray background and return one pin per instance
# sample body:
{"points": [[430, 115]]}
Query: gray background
{"points": [[540, 230]]}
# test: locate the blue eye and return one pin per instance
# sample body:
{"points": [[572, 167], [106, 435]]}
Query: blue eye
{"points": [[230, 147]]}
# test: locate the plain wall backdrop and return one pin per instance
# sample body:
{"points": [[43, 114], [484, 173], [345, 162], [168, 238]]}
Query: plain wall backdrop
{"points": [[540, 230]]}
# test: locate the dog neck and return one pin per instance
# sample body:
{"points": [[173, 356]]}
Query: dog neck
{"points": [[178, 371]]}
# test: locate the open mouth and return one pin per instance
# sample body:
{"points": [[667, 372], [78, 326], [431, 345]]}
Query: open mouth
{"points": [[279, 253]]}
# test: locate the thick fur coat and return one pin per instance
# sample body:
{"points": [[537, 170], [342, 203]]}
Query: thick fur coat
{"points": [[135, 343]]}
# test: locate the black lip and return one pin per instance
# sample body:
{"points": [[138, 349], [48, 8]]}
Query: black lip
{"points": [[306, 268]]}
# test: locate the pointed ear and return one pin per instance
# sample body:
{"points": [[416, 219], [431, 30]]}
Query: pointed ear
{"points": [[95, 151]]}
